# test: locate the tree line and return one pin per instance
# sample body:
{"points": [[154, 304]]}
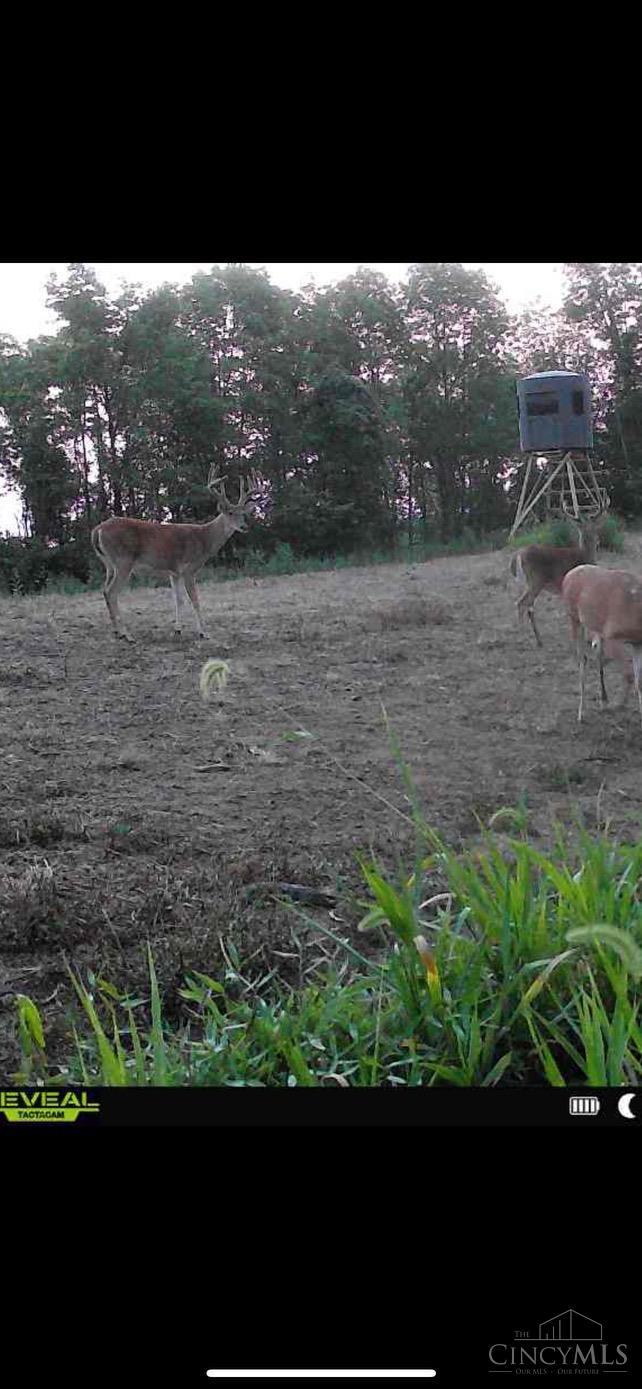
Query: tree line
{"points": [[370, 409]]}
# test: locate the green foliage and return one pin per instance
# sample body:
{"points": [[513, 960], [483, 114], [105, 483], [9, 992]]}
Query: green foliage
{"points": [[283, 560], [348, 478], [369, 408], [562, 532], [611, 534], [31, 1037], [316, 522], [458, 391], [30, 566], [559, 531], [27, 566], [524, 969]]}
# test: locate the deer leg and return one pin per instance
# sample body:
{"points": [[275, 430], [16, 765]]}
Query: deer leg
{"points": [[637, 668], [192, 593], [115, 581], [627, 681], [520, 604], [526, 604], [531, 615], [582, 651], [600, 648], [178, 590]]}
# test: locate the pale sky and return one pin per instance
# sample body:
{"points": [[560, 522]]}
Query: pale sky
{"points": [[23, 312]]}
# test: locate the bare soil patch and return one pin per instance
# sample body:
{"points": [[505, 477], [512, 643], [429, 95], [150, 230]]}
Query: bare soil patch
{"points": [[133, 811]]}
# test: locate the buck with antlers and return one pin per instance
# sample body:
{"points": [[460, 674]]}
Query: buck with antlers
{"points": [[543, 567], [605, 608], [168, 549]]}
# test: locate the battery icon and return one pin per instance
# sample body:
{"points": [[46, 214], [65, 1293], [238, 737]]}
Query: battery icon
{"points": [[584, 1104]]}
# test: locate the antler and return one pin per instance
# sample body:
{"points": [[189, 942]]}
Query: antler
{"points": [[249, 488], [213, 481]]}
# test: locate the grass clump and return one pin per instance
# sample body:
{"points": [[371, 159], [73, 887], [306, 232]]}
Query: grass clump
{"points": [[523, 968]]}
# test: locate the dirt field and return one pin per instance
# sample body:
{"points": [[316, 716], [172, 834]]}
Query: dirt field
{"points": [[132, 810]]}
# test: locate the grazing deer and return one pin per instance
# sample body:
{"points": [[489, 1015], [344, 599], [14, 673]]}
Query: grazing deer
{"points": [[605, 607], [543, 567], [167, 549]]}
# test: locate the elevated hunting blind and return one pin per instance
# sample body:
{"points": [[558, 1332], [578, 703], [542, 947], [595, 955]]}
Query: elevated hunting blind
{"points": [[556, 443], [554, 410]]}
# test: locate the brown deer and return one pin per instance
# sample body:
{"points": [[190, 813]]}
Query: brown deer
{"points": [[176, 550], [544, 567], [605, 608]]}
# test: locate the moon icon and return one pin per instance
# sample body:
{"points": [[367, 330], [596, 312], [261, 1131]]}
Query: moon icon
{"points": [[624, 1106]]}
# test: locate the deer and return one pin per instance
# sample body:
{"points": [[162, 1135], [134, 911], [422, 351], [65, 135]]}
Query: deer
{"points": [[605, 608], [543, 567], [174, 550]]}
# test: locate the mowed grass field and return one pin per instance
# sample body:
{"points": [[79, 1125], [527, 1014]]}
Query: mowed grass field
{"points": [[133, 812]]}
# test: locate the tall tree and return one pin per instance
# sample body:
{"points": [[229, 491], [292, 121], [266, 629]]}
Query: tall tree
{"points": [[34, 458], [341, 503], [89, 372], [174, 424], [606, 299], [456, 385], [247, 329]]}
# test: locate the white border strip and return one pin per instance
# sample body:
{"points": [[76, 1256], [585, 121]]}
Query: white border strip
{"points": [[321, 1374]]}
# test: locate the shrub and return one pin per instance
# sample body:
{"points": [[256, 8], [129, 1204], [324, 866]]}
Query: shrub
{"points": [[29, 566]]}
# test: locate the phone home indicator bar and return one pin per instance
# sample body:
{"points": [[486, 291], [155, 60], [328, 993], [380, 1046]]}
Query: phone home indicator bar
{"points": [[321, 1374]]}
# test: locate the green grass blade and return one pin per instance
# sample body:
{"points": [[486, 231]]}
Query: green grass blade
{"points": [[159, 1049]]}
